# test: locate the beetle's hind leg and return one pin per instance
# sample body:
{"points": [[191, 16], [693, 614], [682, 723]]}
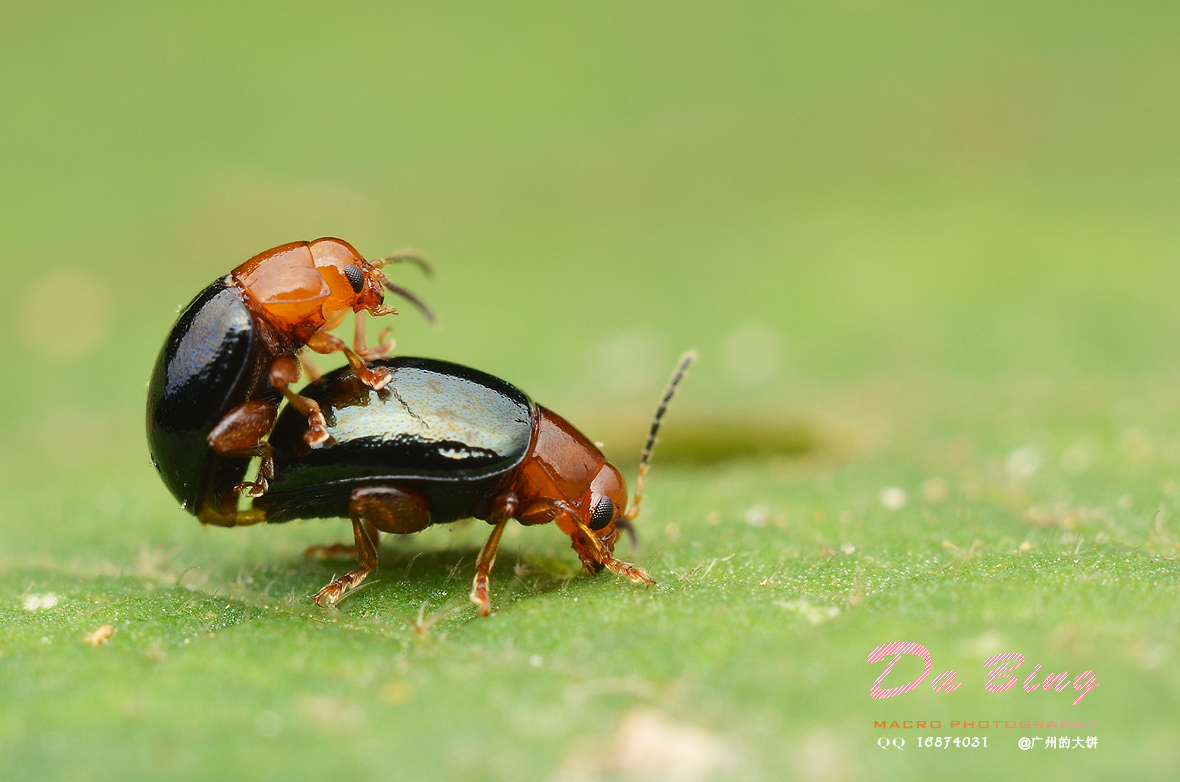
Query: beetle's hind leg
{"points": [[239, 434], [327, 550], [385, 508], [366, 552]]}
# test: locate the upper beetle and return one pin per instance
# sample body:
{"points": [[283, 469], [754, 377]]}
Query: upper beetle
{"points": [[444, 442], [229, 359]]}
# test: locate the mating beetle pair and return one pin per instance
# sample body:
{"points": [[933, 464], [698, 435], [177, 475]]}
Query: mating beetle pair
{"points": [[395, 444], [228, 362]]}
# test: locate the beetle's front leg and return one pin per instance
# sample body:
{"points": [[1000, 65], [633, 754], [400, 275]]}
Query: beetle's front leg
{"points": [[596, 557], [385, 340], [503, 509], [375, 378], [637, 575]]}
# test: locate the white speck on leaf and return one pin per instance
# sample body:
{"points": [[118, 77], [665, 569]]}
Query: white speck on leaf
{"points": [[647, 745], [38, 602], [757, 515], [892, 497], [812, 613], [1022, 463]]}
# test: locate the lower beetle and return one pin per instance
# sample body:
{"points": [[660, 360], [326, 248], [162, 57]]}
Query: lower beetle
{"points": [[443, 442], [225, 367]]}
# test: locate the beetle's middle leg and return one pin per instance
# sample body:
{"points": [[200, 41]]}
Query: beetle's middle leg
{"points": [[375, 378], [283, 373], [385, 508], [503, 509], [310, 369], [239, 433]]}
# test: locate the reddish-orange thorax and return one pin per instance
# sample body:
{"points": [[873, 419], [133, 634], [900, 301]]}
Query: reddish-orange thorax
{"points": [[564, 473], [301, 287]]}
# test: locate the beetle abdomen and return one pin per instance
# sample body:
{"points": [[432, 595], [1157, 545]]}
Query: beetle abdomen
{"points": [[202, 372], [448, 431]]}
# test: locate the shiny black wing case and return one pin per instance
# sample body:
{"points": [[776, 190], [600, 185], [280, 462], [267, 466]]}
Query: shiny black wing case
{"points": [[203, 371], [451, 433]]}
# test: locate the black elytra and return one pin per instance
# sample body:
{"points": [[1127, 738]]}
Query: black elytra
{"points": [[202, 372], [448, 432]]}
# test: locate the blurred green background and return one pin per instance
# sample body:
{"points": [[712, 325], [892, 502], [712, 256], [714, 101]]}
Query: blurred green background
{"points": [[920, 246]]}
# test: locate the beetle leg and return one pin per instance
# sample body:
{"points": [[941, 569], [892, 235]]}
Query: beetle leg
{"points": [[309, 368], [256, 488], [393, 510], [366, 552], [637, 575], [210, 513], [483, 566], [285, 371], [385, 508], [596, 557], [358, 335], [375, 378], [239, 434], [385, 341], [336, 549], [503, 510]]}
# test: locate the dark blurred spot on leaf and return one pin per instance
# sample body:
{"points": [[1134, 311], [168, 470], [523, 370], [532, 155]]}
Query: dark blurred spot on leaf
{"points": [[703, 436]]}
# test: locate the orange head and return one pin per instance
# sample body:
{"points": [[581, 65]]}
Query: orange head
{"points": [[566, 479], [605, 514], [354, 283]]}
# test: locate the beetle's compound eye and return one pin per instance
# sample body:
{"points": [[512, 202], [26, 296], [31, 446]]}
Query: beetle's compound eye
{"points": [[602, 514], [355, 276]]}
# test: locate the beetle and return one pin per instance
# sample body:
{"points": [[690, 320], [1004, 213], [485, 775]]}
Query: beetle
{"points": [[230, 358], [443, 442]]}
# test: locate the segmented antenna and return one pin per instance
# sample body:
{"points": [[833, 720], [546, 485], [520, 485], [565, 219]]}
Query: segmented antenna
{"points": [[421, 306], [686, 361], [406, 256]]}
